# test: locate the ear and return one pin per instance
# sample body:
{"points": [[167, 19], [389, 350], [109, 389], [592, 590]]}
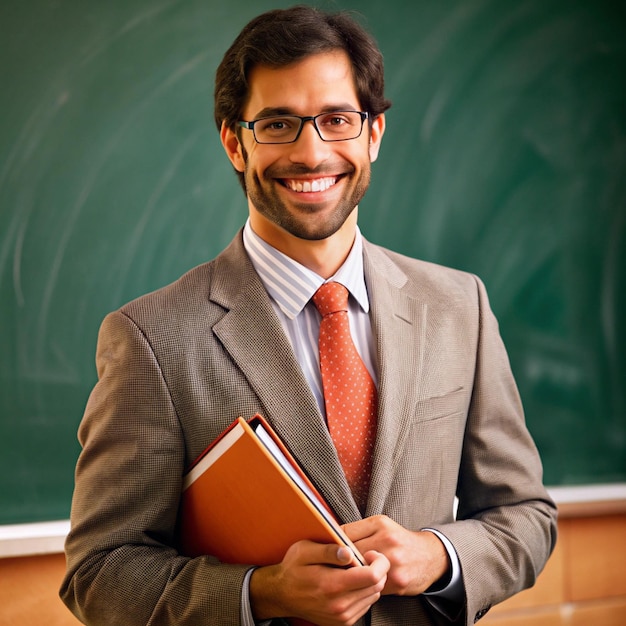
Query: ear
{"points": [[231, 144], [376, 135]]}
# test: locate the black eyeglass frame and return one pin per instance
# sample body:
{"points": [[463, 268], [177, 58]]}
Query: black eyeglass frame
{"points": [[303, 118]]}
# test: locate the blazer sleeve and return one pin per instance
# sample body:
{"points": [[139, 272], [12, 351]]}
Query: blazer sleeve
{"points": [[506, 523], [122, 563]]}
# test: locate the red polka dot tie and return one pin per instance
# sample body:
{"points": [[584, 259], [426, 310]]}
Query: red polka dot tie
{"points": [[349, 392]]}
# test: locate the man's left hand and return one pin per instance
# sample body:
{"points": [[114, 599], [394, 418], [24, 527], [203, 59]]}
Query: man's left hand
{"points": [[418, 559]]}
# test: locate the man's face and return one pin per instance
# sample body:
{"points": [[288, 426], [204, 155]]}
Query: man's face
{"points": [[310, 187]]}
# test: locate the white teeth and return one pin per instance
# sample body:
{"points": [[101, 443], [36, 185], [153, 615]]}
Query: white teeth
{"points": [[306, 186]]}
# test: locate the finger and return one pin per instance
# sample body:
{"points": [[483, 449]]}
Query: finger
{"points": [[369, 579], [345, 556], [312, 553], [378, 562], [337, 556], [365, 528]]}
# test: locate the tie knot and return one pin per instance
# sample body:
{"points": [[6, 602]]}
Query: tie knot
{"points": [[331, 298]]}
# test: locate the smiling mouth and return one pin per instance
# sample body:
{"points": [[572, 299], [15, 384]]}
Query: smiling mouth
{"points": [[311, 185]]}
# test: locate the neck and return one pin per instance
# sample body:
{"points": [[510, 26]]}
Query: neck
{"points": [[322, 256]]}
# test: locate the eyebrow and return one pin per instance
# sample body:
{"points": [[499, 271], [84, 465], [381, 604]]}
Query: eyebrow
{"points": [[274, 111]]}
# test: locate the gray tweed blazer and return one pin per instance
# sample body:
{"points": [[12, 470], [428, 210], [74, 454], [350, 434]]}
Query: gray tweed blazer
{"points": [[178, 365]]}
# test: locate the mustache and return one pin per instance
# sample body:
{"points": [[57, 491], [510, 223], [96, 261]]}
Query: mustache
{"points": [[295, 171]]}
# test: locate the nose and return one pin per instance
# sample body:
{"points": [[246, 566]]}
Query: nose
{"points": [[309, 149]]}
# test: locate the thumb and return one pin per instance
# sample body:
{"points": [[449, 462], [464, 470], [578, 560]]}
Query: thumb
{"points": [[341, 556]]}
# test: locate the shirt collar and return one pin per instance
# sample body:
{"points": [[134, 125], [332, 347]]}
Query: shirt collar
{"points": [[292, 285]]}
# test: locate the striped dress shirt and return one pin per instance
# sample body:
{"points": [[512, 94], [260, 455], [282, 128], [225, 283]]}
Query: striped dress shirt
{"points": [[291, 287]]}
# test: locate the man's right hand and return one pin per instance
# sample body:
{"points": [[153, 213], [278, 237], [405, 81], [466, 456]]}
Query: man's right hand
{"points": [[316, 582]]}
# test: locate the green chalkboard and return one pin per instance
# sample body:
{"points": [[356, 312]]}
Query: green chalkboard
{"points": [[505, 155]]}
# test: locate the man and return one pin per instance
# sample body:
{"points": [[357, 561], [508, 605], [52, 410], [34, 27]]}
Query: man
{"points": [[300, 108]]}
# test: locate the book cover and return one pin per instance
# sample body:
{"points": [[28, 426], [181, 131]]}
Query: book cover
{"points": [[246, 500]]}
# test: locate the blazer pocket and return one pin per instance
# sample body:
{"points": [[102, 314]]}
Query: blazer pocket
{"points": [[440, 407]]}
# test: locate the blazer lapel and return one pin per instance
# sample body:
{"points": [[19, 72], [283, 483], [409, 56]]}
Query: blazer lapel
{"points": [[253, 336], [399, 326]]}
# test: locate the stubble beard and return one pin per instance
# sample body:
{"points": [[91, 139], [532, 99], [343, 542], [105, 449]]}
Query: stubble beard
{"points": [[269, 204]]}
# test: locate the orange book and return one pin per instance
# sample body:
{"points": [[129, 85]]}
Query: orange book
{"points": [[245, 500]]}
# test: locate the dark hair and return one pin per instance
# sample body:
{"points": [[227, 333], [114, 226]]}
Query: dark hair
{"points": [[284, 36]]}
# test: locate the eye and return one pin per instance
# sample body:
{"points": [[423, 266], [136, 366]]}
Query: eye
{"points": [[275, 125], [334, 120], [278, 125]]}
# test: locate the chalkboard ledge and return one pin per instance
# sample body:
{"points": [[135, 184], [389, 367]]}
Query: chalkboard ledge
{"points": [[32, 539], [590, 500], [578, 501]]}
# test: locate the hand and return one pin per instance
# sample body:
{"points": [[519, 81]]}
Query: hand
{"points": [[417, 559], [315, 582]]}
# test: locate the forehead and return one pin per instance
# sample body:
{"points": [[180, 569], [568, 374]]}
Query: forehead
{"points": [[317, 83]]}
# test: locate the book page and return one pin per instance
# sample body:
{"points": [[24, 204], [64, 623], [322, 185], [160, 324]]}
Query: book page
{"points": [[213, 454]]}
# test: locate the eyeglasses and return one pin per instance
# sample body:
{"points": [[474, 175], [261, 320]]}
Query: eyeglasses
{"points": [[334, 126]]}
